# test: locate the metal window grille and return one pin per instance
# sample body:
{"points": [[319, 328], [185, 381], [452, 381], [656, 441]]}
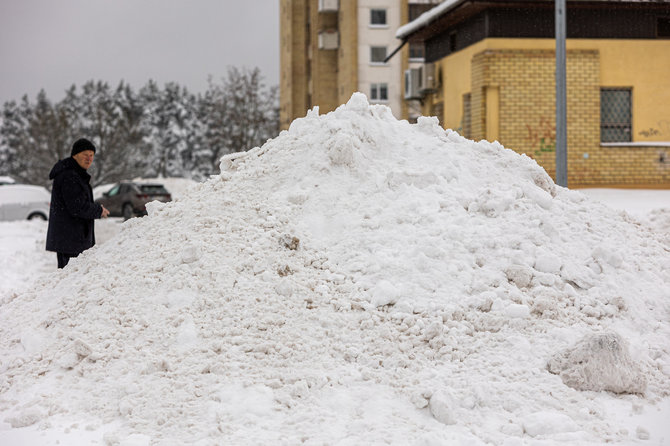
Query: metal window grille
{"points": [[615, 115], [378, 17], [467, 120]]}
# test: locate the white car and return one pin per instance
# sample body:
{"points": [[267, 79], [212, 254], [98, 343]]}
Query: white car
{"points": [[23, 201]]}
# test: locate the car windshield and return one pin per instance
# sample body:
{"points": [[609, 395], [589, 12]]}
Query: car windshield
{"points": [[153, 189]]}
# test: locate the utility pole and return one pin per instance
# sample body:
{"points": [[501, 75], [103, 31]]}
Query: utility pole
{"points": [[561, 98]]}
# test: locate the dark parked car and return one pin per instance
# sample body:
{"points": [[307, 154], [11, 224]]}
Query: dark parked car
{"points": [[127, 199]]}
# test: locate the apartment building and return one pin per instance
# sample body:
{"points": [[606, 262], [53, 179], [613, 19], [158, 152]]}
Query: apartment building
{"points": [[330, 49]]}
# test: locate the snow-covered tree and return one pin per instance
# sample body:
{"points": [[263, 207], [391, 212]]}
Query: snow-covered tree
{"points": [[156, 132], [33, 137], [169, 116], [238, 114]]}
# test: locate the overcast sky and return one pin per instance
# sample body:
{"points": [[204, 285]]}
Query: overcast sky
{"points": [[53, 44]]}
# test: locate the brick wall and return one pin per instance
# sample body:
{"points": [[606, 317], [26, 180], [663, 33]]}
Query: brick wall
{"points": [[526, 81]]}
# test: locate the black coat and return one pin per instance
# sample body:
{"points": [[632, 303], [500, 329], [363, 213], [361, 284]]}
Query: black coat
{"points": [[72, 211]]}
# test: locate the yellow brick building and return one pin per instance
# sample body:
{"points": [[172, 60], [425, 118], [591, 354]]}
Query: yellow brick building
{"points": [[496, 80]]}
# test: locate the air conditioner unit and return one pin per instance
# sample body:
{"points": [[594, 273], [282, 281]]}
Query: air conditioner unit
{"points": [[329, 5], [329, 40], [428, 79], [412, 83]]}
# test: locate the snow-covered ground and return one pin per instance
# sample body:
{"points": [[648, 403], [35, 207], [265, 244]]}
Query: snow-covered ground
{"points": [[357, 280]]}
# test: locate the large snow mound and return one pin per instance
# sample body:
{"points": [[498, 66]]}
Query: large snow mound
{"points": [[357, 279]]}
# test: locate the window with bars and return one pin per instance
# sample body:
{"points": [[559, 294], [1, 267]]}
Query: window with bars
{"points": [[379, 92], [378, 17], [615, 114]]}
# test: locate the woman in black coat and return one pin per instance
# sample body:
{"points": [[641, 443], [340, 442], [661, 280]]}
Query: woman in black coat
{"points": [[72, 212]]}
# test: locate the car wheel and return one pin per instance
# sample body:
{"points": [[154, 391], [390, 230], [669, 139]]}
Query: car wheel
{"points": [[128, 211], [35, 215]]}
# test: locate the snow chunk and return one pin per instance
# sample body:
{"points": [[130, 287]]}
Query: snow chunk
{"points": [[341, 151], [519, 275], [599, 362], [606, 256], [442, 405], [27, 418], [284, 288], [154, 207], [548, 263], [538, 195], [32, 340], [358, 103], [190, 254], [384, 293], [548, 423], [517, 311]]}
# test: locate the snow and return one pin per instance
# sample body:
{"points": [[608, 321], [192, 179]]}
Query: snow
{"points": [[356, 280], [425, 18]]}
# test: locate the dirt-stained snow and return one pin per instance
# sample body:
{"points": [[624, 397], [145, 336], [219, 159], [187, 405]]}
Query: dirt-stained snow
{"points": [[356, 280]]}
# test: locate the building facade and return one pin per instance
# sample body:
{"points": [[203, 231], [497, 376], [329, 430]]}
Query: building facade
{"points": [[330, 49], [494, 65]]}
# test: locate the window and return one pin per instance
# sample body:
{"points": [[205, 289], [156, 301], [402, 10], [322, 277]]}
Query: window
{"points": [[452, 42], [113, 191], [378, 17], [377, 54], [379, 92], [153, 189], [466, 124], [663, 27], [615, 115], [416, 51]]}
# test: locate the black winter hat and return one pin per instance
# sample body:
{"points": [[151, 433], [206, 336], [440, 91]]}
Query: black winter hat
{"points": [[80, 145]]}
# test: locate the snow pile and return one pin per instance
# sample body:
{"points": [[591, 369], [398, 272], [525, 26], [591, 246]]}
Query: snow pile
{"points": [[659, 220], [23, 259], [17, 271], [599, 362], [356, 280]]}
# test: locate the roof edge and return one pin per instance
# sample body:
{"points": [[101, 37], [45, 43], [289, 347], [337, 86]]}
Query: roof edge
{"points": [[435, 13]]}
